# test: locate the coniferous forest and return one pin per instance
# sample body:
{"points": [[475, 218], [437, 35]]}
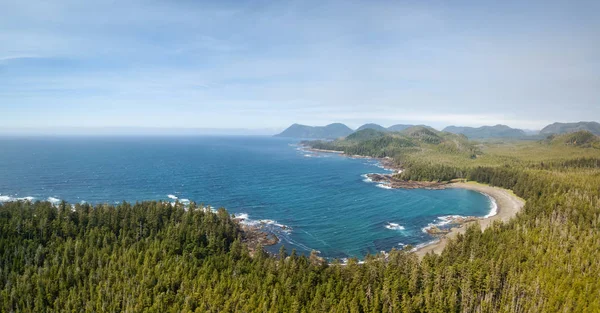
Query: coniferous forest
{"points": [[155, 257]]}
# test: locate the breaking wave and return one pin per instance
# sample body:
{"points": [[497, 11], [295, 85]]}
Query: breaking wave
{"points": [[394, 226], [384, 186], [244, 219], [493, 206], [442, 221]]}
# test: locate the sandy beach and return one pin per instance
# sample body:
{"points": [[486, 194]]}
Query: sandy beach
{"points": [[508, 206]]}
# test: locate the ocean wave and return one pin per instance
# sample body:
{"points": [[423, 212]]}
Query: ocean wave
{"points": [[366, 178], [245, 220], [394, 226], [384, 186], [174, 197], [10, 199], [241, 216], [442, 221], [53, 200], [493, 207]]}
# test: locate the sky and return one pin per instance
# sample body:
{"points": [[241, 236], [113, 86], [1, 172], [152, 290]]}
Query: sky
{"points": [[264, 65]]}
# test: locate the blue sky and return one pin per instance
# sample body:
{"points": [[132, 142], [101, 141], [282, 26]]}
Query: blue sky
{"points": [[262, 64]]}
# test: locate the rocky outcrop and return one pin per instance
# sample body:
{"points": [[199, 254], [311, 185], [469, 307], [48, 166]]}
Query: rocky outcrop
{"points": [[394, 182]]}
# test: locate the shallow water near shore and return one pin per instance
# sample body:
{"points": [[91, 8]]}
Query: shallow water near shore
{"points": [[310, 200]]}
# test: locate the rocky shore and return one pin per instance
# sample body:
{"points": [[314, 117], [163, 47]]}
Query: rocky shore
{"points": [[454, 221], [255, 235], [394, 182]]}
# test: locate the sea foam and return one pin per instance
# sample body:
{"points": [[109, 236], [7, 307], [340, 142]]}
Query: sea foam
{"points": [[493, 207], [394, 226], [442, 221], [245, 220], [53, 200], [384, 186], [421, 245], [9, 199], [241, 216]]}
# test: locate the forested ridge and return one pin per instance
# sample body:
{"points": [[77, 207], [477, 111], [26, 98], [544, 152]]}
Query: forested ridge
{"points": [[155, 257]]}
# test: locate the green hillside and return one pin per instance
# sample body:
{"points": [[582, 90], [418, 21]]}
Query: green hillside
{"points": [[580, 138]]}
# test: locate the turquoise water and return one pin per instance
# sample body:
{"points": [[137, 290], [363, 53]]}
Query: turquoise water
{"points": [[322, 199]]}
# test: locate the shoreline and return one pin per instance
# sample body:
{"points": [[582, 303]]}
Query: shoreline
{"points": [[507, 206], [386, 163]]}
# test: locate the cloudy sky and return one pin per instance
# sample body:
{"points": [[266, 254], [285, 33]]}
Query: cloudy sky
{"points": [[267, 64]]}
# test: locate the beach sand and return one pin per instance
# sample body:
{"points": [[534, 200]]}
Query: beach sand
{"points": [[508, 206]]}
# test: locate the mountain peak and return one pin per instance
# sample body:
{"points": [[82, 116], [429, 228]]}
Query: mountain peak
{"points": [[373, 126]]}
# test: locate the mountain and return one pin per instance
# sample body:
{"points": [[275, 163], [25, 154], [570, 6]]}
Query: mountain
{"points": [[330, 131], [561, 128], [497, 131], [399, 127], [373, 126]]}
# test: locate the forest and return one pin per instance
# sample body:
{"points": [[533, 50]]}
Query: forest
{"points": [[155, 257]]}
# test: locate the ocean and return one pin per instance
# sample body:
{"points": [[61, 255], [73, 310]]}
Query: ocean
{"points": [[319, 201]]}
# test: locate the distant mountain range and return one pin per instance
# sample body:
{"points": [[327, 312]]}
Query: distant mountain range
{"points": [[562, 128], [497, 131], [338, 130], [331, 131]]}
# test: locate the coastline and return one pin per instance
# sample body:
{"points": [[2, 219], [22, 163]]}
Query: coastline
{"points": [[508, 205], [323, 150], [386, 162]]}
